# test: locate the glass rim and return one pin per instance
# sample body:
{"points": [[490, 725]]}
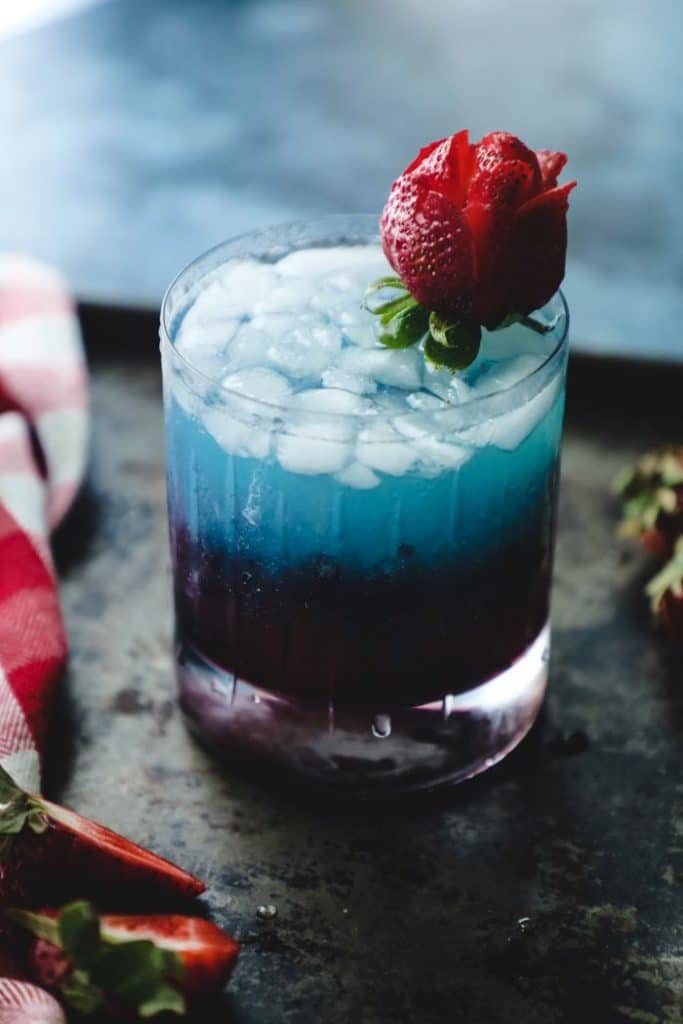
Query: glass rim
{"points": [[367, 225]]}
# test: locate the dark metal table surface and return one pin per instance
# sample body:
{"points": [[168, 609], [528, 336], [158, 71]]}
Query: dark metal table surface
{"points": [[137, 134], [547, 891]]}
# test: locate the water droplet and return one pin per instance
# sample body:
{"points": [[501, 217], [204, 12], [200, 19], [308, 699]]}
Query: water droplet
{"points": [[345, 911], [448, 706], [256, 699], [523, 923], [267, 911], [381, 726]]}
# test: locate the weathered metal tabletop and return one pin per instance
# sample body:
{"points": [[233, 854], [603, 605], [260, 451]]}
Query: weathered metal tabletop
{"points": [[547, 891]]}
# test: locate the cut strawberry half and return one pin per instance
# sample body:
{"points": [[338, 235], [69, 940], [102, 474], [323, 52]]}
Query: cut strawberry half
{"points": [[49, 852], [144, 964]]}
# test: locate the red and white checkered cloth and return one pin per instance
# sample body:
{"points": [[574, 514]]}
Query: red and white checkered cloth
{"points": [[43, 442]]}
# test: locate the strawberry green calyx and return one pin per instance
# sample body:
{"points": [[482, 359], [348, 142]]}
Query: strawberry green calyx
{"points": [[18, 811], [102, 971], [404, 322]]}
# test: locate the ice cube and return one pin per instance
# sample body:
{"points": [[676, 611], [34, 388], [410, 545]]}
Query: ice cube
{"points": [[259, 383], [397, 368], [380, 447], [441, 454], [236, 436], [506, 373], [286, 297], [311, 456], [248, 347], [334, 378], [448, 386], [359, 327], [422, 401], [330, 400], [242, 284], [510, 428], [516, 340], [364, 262], [359, 477], [303, 347]]}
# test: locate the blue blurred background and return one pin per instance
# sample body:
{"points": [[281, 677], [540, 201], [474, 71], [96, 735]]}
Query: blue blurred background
{"points": [[136, 133]]}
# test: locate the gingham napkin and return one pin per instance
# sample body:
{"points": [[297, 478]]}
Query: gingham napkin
{"points": [[43, 440]]}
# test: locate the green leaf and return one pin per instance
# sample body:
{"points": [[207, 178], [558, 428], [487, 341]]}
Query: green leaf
{"points": [[389, 309], [18, 810], [405, 328], [452, 344], [8, 788], [81, 994], [372, 300], [165, 999], [40, 925], [79, 932], [130, 971]]}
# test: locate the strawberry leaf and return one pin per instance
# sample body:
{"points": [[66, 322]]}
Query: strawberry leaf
{"points": [[40, 925], [372, 300], [405, 327], [452, 344], [79, 992], [166, 999], [388, 310], [130, 971], [18, 810], [79, 933]]}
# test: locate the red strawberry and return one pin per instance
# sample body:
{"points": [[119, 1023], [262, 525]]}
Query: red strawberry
{"points": [[653, 497], [478, 232], [49, 852], [140, 964], [666, 594], [551, 165]]}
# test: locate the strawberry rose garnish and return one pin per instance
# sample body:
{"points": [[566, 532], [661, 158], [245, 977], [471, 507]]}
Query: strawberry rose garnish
{"points": [[127, 965], [477, 234]]}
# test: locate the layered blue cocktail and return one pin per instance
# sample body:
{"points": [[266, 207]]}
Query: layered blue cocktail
{"points": [[362, 542]]}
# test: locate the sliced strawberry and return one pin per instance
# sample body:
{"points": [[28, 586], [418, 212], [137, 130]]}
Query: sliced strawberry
{"points": [[500, 147], [145, 964], [50, 852], [551, 165], [207, 954], [446, 166], [538, 247], [427, 241]]}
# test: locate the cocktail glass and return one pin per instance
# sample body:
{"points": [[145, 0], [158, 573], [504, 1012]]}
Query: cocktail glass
{"points": [[362, 544]]}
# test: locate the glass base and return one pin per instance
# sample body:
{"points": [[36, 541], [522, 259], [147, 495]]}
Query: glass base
{"points": [[359, 751]]}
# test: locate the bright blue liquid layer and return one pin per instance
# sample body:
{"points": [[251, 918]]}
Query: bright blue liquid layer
{"points": [[256, 510]]}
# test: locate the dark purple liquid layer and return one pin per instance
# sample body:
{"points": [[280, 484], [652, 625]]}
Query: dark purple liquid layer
{"points": [[405, 637]]}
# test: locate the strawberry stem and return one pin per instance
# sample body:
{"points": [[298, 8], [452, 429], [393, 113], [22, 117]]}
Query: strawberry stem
{"points": [[536, 325]]}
